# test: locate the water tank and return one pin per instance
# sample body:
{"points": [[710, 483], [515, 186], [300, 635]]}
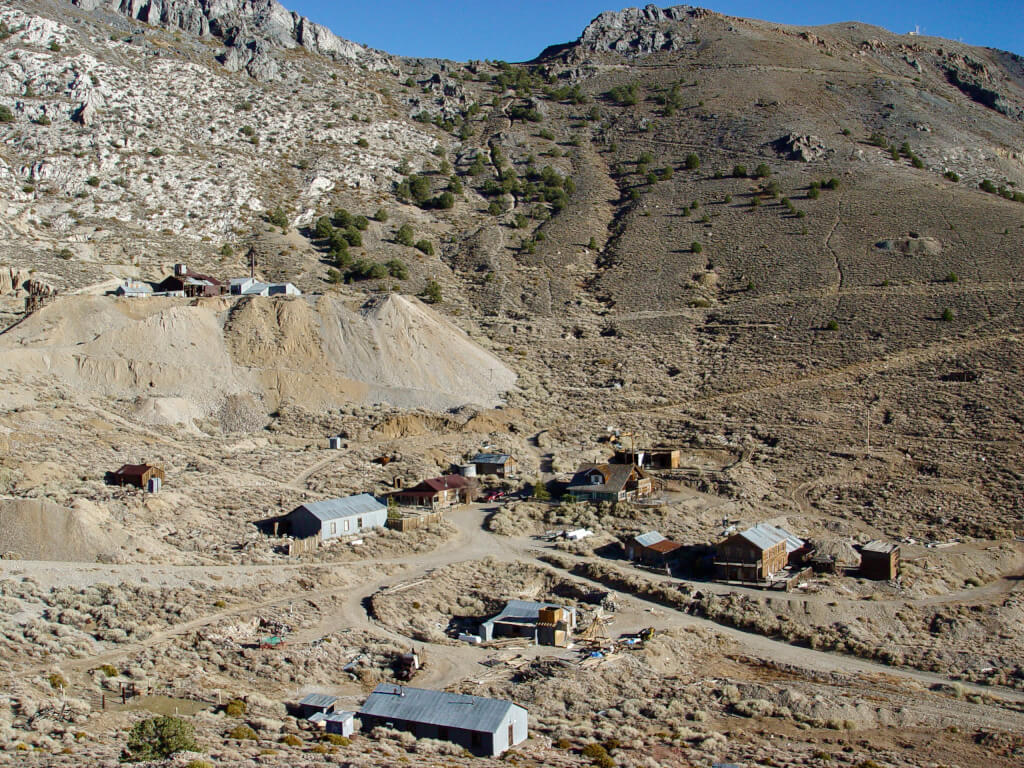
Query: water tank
{"points": [[467, 470]]}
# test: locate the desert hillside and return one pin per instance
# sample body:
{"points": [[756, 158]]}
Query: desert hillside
{"points": [[788, 258]]}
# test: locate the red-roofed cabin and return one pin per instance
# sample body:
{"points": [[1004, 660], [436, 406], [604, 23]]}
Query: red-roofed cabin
{"points": [[436, 493]]}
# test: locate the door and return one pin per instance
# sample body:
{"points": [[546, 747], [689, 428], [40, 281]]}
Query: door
{"points": [[511, 734]]}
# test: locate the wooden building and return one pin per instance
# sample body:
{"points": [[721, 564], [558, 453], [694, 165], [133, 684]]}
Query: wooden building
{"points": [[756, 554], [652, 548], [435, 493], [500, 464], [610, 482], [655, 458], [138, 475], [880, 560], [193, 285]]}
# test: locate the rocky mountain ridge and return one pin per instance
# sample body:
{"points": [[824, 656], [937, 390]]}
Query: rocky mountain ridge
{"points": [[250, 30]]}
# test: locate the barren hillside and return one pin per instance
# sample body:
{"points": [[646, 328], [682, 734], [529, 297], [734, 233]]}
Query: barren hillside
{"points": [[794, 253]]}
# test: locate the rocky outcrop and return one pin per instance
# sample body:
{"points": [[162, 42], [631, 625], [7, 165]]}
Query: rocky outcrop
{"points": [[250, 29], [804, 148], [975, 81], [637, 32]]}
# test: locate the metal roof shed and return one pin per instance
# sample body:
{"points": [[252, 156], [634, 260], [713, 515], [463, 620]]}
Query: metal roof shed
{"points": [[332, 518], [483, 726]]}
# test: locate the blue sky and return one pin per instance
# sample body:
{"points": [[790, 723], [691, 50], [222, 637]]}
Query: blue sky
{"points": [[518, 31]]}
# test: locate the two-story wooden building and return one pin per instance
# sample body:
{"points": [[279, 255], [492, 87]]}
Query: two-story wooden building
{"points": [[756, 554], [610, 482]]}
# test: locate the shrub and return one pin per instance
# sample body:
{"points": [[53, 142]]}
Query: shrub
{"points": [[364, 269], [625, 95], [56, 680], [762, 171], [832, 325], [334, 276], [337, 739], [353, 237], [987, 186], [813, 193], [696, 247], [362, 143], [916, 161], [323, 227], [431, 292], [405, 236], [947, 314], [291, 740], [563, 743], [952, 176], [156, 152], [381, 215], [952, 277], [541, 492], [832, 183], [242, 732], [546, 134], [108, 670], [425, 246], [41, 120], [160, 737], [198, 764], [727, 199], [235, 708], [692, 162], [65, 253], [54, 46], [278, 218], [739, 171], [397, 269]]}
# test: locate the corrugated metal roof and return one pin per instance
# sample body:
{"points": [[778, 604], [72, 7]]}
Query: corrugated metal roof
{"points": [[491, 458], [877, 545], [523, 609], [649, 538], [452, 710], [339, 717], [318, 700], [334, 509], [765, 536]]}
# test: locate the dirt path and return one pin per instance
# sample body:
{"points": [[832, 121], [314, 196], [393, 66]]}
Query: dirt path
{"points": [[449, 664]]}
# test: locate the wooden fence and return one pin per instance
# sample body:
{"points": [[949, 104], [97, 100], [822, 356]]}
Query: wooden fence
{"points": [[413, 521], [303, 546]]}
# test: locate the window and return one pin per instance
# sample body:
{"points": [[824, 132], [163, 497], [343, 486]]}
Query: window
{"points": [[347, 523], [334, 528], [359, 522], [511, 734]]}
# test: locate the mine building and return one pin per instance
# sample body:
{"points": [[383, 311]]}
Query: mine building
{"points": [[485, 727], [880, 560], [756, 554], [192, 284], [544, 623], [651, 548], [134, 289], [250, 286], [139, 475], [610, 482], [316, 705], [333, 518], [653, 458], [499, 464], [436, 493]]}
